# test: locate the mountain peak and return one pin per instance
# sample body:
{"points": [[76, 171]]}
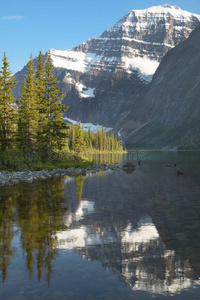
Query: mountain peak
{"points": [[165, 8], [152, 18]]}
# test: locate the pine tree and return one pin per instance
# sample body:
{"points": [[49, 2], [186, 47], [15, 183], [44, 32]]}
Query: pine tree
{"points": [[40, 104], [78, 140], [96, 139], [7, 110], [28, 117], [55, 130], [71, 137], [40, 79], [112, 142], [89, 138]]}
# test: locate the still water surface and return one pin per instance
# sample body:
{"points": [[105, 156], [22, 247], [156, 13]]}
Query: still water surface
{"points": [[110, 235]]}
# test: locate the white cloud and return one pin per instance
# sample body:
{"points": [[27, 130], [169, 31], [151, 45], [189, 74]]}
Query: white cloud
{"points": [[16, 18]]}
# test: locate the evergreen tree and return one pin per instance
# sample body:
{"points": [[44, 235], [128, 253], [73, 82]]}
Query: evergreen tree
{"points": [[55, 130], [103, 132], [28, 116], [71, 137], [112, 142], [40, 79], [40, 104], [96, 139], [89, 138], [78, 140], [7, 110]]}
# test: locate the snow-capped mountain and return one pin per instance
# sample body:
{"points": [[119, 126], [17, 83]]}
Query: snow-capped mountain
{"points": [[136, 42], [104, 77]]}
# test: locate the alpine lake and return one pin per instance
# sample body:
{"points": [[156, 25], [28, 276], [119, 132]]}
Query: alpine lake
{"points": [[107, 235]]}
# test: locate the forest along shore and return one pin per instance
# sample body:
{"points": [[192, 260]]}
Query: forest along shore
{"points": [[8, 178]]}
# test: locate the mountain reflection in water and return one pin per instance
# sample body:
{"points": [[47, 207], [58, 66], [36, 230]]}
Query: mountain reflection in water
{"points": [[136, 254], [143, 227]]}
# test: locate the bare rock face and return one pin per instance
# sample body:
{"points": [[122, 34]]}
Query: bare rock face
{"points": [[104, 78], [176, 84], [171, 106]]}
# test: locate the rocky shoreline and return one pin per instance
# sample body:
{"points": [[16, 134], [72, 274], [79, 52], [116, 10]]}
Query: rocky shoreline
{"points": [[8, 178]]}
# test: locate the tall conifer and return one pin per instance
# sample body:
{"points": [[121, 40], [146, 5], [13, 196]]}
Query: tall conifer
{"points": [[28, 117], [40, 105], [55, 128], [78, 140], [7, 110]]}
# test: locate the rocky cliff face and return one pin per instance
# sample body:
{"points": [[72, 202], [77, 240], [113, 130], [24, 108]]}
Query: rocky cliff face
{"points": [[105, 77], [176, 84], [171, 107]]}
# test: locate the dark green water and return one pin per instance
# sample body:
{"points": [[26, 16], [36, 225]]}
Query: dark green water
{"points": [[111, 235]]}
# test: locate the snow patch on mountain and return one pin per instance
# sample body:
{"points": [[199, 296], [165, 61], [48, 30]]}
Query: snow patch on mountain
{"points": [[69, 60], [84, 91], [73, 60], [88, 92], [68, 79], [145, 67], [86, 126], [146, 43]]}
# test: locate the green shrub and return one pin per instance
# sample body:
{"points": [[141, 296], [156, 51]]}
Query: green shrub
{"points": [[12, 160]]}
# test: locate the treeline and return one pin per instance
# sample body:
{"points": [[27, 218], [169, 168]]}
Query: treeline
{"points": [[80, 140]]}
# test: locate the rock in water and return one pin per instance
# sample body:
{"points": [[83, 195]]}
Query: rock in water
{"points": [[128, 166]]}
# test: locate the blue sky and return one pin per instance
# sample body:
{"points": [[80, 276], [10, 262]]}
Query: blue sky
{"points": [[34, 25]]}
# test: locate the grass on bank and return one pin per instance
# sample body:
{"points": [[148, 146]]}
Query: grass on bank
{"points": [[14, 161]]}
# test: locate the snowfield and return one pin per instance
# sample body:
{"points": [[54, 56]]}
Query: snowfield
{"points": [[86, 126]]}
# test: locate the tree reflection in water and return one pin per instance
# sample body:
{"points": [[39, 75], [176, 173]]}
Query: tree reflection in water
{"points": [[37, 210], [7, 232]]}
